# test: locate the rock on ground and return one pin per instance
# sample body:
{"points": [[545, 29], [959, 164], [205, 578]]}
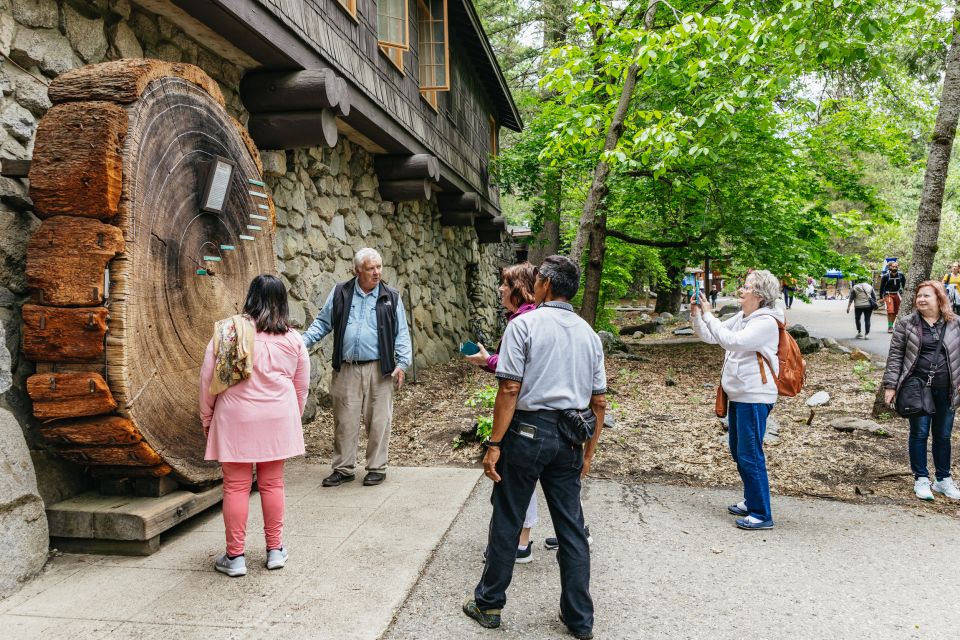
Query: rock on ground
{"points": [[818, 399], [611, 343], [798, 331], [850, 424], [809, 345]]}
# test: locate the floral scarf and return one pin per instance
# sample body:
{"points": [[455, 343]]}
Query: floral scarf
{"points": [[233, 340]]}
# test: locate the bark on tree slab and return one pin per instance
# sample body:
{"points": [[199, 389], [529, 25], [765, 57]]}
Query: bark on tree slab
{"points": [[156, 471], [101, 430], [69, 395], [135, 455], [124, 81], [66, 260], [77, 167], [56, 334]]}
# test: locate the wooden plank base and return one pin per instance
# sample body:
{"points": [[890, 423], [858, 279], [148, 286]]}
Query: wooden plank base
{"points": [[107, 547], [91, 516]]}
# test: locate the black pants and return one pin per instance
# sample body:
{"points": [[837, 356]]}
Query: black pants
{"points": [[788, 296], [557, 465], [866, 313]]}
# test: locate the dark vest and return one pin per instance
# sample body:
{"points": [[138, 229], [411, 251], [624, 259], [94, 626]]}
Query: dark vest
{"points": [[386, 323]]}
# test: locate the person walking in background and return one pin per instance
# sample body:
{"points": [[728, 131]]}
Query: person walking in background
{"points": [[864, 301], [926, 345], [714, 292], [253, 386], [891, 290], [552, 387], [788, 283], [751, 339], [952, 281], [516, 296], [371, 350]]}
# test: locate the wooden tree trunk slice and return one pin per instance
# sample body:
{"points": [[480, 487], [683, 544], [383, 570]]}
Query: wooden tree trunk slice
{"points": [[179, 272]]}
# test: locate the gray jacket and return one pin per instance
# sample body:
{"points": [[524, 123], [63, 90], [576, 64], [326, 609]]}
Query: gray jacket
{"points": [[905, 349]]}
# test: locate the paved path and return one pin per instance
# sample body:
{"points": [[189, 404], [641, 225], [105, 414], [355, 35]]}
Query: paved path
{"points": [[828, 319], [668, 563], [355, 553]]}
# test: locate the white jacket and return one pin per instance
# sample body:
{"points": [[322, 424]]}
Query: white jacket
{"points": [[742, 337]]}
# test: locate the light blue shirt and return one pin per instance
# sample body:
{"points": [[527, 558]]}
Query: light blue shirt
{"points": [[360, 337]]}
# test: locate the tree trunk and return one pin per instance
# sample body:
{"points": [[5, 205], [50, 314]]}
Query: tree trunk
{"points": [[670, 296], [591, 285], [599, 188], [934, 182]]}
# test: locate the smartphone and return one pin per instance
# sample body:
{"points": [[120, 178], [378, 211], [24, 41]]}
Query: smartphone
{"points": [[696, 295], [469, 348]]}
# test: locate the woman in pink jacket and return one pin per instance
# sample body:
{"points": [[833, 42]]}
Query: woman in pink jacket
{"points": [[253, 386]]}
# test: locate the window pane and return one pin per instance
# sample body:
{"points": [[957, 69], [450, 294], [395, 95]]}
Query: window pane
{"points": [[392, 22]]}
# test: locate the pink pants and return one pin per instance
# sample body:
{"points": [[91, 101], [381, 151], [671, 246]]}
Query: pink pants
{"points": [[237, 479]]}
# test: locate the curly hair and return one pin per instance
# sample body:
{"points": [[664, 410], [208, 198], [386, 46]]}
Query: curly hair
{"points": [[519, 278]]}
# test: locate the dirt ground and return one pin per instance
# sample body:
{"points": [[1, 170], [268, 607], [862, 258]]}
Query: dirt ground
{"points": [[662, 399]]}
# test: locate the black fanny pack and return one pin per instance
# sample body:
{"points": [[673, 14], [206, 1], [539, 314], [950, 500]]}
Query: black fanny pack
{"points": [[576, 426]]}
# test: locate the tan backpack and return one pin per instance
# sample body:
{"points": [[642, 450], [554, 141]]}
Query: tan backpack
{"points": [[793, 368]]}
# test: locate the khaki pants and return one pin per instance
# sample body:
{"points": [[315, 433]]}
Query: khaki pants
{"points": [[361, 391]]}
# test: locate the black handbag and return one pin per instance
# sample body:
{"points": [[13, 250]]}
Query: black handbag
{"points": [[915, 397], [873, 301], [576, 426]]}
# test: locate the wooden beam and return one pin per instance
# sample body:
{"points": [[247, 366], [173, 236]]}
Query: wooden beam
{"points": [[406, 190], [281, 91], [488, 237], [406, 167], [459, 202], [294, 129], [456, 219], [491, 224], [11, 168]]}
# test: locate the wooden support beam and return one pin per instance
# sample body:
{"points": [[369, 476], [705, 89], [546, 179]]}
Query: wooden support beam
{"points": [[55, 334], [406, 190], [293, 130], [456, 219], [397, 167], [282, 91], [459, 202], [491, 224], [11, 168], [100, 430], [69, 395], [488, 237]]}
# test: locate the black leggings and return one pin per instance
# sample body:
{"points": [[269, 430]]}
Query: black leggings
{"points": [[866, 312]]}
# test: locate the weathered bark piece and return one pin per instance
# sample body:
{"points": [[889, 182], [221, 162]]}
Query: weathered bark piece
{"points": [[406, 190], [69, 395], [291, 130], [12, 168], [55, 334], [398, 167], [157, 471], [66, 259], [307, 90], [459, 202], [124, 80], [101, 430], [456, 219], [134, 455], [77, 168]]}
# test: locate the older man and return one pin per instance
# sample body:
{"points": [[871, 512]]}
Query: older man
{"points": [[550, 361], [371, 350]]}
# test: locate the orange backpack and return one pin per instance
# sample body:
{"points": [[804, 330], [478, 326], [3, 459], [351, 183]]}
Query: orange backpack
{"points": [[793, 368]]}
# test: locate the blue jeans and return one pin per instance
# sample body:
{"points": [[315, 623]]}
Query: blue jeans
{"points": [[556, 464], [748, 423], [920, 426]]}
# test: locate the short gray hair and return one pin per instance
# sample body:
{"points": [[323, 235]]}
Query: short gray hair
{"points": [[362, 255], [765, 285]]}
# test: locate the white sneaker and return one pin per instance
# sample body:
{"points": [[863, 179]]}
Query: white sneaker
{"points": [[234, 568], [922, 488], [859, 336], [947, 488], [276, 558]]}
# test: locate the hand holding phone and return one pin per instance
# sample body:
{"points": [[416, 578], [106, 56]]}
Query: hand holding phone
{"points": [[469, 348]]}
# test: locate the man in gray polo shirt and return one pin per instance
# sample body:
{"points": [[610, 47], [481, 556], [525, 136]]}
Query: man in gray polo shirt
{"points": [[550, 360]]}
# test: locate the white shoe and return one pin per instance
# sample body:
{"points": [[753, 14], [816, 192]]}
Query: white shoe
{"points": [[947, 488], [866, 337], [859, 336], [922, 488], [276, 558], [234, 568]]}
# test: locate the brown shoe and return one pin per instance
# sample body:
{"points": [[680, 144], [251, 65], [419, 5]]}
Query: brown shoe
{"points": [[374, 478], [336, 479]]}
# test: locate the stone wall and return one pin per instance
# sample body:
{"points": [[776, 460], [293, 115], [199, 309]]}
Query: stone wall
{"points": [[328, 207], [327, 202]]}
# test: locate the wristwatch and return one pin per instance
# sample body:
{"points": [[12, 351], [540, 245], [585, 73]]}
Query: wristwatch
{"points": [[493, 443]]}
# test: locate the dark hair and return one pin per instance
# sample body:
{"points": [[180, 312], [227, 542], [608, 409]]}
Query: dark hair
{"points": [[266, 304], [563, 274], [519, 278]]}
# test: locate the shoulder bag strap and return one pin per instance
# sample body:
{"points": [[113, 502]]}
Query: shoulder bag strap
{"points": [[762, 358], [937, 352]]}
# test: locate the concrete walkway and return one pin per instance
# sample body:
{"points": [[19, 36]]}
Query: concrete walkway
{"points": [[828, 319], [668, 563], [355, 553]]}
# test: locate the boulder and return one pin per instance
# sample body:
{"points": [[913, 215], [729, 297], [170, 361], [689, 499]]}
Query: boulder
{"points": [[731, 309], [650, 327], [87, 36], [849, 424], [687, 331], [36, 13], [664, 318], [798, 331], [818, 399], [611, 343], [809, 345], [859, 356], [23, 545]]}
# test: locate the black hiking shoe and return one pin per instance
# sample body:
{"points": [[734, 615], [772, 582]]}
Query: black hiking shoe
{"points": [[489, 619]]}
